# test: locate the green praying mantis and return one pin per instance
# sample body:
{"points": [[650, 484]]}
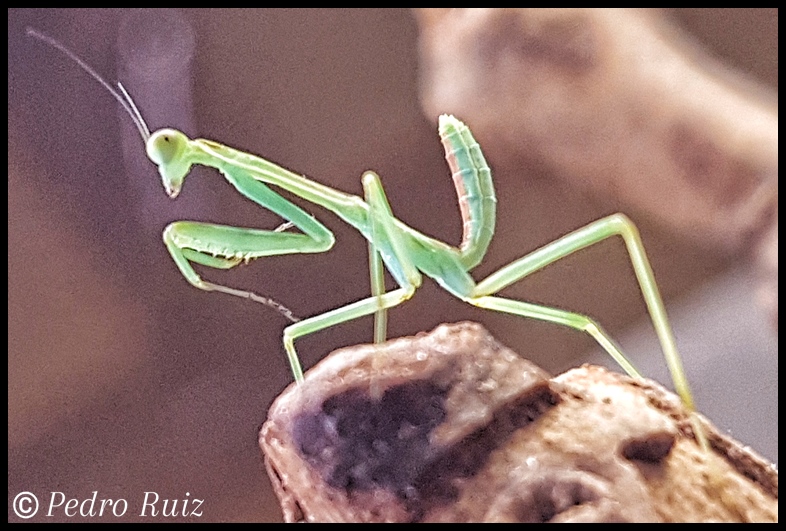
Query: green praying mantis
{"points": [[406, 253]]}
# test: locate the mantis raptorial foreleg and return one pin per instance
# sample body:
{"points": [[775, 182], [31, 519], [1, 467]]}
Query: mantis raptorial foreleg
{"points": [[223, 247]]}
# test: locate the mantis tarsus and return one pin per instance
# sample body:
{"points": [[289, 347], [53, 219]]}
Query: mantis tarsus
{"points": [[406, 253]]}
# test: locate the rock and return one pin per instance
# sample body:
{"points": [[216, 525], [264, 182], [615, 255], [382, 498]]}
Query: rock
{"points": [[452, 426]]}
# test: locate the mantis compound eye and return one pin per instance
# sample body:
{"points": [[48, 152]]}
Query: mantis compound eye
{"points": [[165, 145], [167, 148]]}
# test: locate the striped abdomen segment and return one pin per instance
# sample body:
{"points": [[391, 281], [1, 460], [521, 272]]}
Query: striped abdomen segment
{"points": [[472, 178]]}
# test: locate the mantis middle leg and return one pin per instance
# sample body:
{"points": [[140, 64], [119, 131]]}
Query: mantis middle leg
{"points": [[385, 238]]}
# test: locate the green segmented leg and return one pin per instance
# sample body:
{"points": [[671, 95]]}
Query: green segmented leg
{"points": [[377, 274], [615, 225], [402, 268]]}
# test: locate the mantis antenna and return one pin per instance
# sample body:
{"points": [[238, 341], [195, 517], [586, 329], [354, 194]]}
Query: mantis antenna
{"points": [[124, 99]]}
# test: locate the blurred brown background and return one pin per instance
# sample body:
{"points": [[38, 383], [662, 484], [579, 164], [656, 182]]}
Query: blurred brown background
{"points": [[123, 379]]}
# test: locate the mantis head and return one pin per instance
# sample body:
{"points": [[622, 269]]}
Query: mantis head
{"points": [[169, 149]]}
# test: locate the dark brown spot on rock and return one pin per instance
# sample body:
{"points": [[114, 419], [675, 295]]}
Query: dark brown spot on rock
{"points": [[652, 448], [358, 443]]}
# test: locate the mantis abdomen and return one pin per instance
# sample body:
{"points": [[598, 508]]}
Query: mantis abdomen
{"points": [[475, 189]]}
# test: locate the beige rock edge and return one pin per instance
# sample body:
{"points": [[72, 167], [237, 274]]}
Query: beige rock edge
{"points": [[453, 426]]}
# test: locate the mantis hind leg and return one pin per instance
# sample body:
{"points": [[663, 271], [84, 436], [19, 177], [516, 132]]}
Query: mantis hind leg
{"points": [[615, 225], [561, 317]]}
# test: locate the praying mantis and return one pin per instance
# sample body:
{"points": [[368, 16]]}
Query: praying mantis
{"points": [[407, 254]]}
